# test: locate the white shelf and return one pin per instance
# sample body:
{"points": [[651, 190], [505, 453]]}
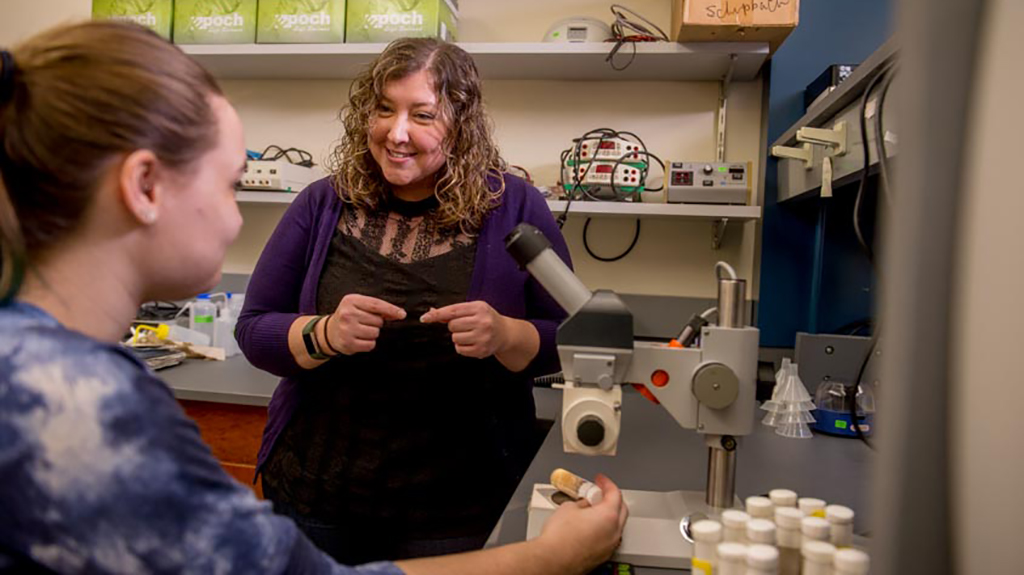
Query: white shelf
{"points": [[675, 211], [248, 197], [623, 209], [665, 61]]}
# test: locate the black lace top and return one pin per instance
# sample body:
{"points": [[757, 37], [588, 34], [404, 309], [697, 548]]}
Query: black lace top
{"points": [[410, 440]]}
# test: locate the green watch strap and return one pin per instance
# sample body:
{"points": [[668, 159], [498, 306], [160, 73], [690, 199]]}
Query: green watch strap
{"points": [[307, 339]]}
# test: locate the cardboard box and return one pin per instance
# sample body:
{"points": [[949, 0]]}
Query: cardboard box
{"points": [[734, 20], [214, 21], [301, 21], [157, 15], [386, 20]]}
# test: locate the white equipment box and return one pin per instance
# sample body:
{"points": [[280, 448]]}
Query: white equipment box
{"points": [[708, 183], [602, 173], [611, 149], [278, 176]]}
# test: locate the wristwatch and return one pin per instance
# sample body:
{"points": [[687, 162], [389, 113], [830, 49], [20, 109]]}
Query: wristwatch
{"points": [[307, 339]]}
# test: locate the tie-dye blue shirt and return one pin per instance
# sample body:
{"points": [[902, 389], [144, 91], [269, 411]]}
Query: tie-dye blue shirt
{"points": [[102, 472]]}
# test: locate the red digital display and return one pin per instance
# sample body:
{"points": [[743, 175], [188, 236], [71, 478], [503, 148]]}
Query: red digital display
{"points": [[607, 145], [603, 169]]}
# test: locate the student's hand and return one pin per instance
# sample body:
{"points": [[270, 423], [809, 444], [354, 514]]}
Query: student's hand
{"points": [[477, 330], [356, 323], [580, 536]]}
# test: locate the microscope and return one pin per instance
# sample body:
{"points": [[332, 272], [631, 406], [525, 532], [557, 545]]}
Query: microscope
{"points": [[709, 388]]}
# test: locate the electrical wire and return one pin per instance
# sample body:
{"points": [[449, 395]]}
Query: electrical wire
{"points": [[623, 23], [883, 157], [576, 150], [851, 391], [578, 187], [305, 158], [644, 172], [719, 266], [883, 77], [866, 165], [636, 236], [684, 335], [526, 173], [158, 310]]}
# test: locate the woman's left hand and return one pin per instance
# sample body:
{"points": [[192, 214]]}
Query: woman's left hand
{"points": [[477, 330]]}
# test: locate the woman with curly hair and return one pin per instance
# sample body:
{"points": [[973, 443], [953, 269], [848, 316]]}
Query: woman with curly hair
{"points": [[406, 336]]}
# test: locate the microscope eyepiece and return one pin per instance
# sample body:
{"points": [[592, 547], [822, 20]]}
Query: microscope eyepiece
{"points": [[525, 243]]}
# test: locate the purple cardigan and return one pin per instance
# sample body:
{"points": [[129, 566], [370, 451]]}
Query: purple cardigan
{"points": [[284, 286]]}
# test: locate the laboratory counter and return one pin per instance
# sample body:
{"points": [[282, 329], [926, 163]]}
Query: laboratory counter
{"points": [[654, 453]]}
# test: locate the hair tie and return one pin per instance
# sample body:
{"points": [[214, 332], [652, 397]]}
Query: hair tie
{"points": [[6, 75]]}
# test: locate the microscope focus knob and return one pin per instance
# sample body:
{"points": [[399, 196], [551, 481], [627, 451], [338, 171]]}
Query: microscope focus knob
{"points": [[590, 432], [716, 385]]}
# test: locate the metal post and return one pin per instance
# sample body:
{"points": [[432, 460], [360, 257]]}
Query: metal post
{"points": [[732, 302], [721, 487]]}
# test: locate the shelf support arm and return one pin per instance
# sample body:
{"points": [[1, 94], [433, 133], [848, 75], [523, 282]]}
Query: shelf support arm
{"points": [[718, 232]]}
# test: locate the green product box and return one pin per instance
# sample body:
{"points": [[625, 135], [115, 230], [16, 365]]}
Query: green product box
{"points": [[153, 14], [301, 21], [214, 21], [386, 20]]}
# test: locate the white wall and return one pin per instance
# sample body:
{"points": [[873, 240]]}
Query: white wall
{"points": [[535, 120]]}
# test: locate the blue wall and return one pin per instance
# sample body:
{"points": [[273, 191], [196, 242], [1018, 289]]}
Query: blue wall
{"points": [[813, 276]]}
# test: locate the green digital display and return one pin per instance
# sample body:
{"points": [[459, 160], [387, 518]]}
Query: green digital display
{"points": [[722, 168], [840, 424]]}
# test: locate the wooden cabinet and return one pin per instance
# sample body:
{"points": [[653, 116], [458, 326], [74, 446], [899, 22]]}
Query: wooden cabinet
{"points": [[233, 432]]}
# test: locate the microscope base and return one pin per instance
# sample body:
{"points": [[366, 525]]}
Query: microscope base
{"points": [[653, 536]]}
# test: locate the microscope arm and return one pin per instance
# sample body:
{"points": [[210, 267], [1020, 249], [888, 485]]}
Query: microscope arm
{"points": [[709, 389]]}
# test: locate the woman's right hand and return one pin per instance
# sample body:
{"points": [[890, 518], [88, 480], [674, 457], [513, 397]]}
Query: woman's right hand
{"points": [[581, 536], [355, 324]]}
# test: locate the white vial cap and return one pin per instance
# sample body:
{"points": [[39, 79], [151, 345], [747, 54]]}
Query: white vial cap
{"points": [[592, 493], [818, 552], [782, 497], [706, 531], [851, 562], [762, 557], [735, 519], [788, 517], [732, 551], [761, 531], [839, 514], [809, 505], [760, 507], [815, 528]]}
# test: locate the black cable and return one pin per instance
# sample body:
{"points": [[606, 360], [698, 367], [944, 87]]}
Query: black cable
{"points": [[620, 37], [158, 310], [644, 172], [883, 158], [305, 158], [882, 74], [623, 21], [636, 236], [576, 150], [615, 50], [866, 166], [851, 391]]}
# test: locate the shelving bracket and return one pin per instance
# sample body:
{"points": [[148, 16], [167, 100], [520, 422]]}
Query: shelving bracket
{"points": [[834, 138], [718, 232]]}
